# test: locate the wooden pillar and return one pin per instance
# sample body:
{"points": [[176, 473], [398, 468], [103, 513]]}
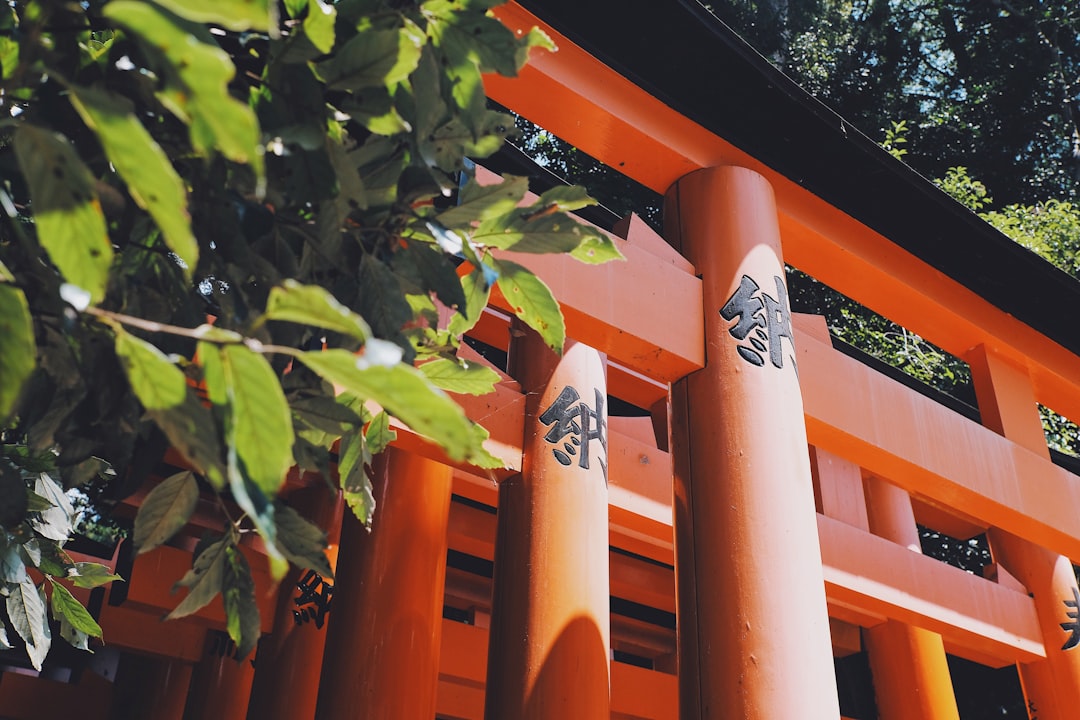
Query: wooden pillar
{"points": [[220, 684], [911, 673], [385, 626], [1007, 405], [753, 625], [289, 660], [548, 656]]}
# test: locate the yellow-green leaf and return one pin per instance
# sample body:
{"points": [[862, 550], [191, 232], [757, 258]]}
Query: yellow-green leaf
{"points": [[314, 305], [67, 213], [463, 377], [230, 14], [155, 380], [64, 605], [259, 423], [217, 120], [319, 25], [238, 595], [17, 347], [151, 179], [403, 391], [532, 302], [374, 58]]}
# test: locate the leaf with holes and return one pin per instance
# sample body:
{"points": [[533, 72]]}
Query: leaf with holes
{"points": [[67, 213]]}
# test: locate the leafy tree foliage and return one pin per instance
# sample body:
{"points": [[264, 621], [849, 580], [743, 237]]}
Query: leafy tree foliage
{"points": [[232, 228], [990, 85]]}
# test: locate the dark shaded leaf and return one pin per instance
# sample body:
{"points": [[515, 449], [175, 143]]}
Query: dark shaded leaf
{"points": [[241, 610], [302, 542], [165, 510], [203, 581]]}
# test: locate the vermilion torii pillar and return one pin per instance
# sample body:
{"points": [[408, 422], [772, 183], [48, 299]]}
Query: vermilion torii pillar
{"points": [[384, 631], [753, 625], [911, 673], [1008, 406], [548, 656]]}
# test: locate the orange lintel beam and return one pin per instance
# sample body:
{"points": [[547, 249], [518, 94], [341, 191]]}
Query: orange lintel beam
{"points": [[933, 452], [579, 99], [968, 611], [644, 313]]}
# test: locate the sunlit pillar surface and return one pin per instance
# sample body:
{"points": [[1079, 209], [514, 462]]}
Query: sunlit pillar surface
{"points": [[385, 624], [911, 673], [548, 656], [1008, 406], [753, 626]]}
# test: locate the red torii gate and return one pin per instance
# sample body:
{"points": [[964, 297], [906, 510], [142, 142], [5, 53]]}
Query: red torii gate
{"points": [[748, 453]]}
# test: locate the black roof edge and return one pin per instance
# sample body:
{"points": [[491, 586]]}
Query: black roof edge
{"points": [[684, 56]]}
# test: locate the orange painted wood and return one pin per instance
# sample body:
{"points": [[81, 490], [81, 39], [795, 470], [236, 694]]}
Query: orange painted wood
{"points": [[144, 631], [744, 503], [550, 628], [289, 659], [838, 488], [25, 697], [932, 452], [911, 674], [1007, 405], [581, 100], [625, 309], [155, 572], [384, 630], [977, 618]]}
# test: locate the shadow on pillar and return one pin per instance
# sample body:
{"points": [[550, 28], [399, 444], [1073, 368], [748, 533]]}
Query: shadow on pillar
{"points": [[579, 658]]}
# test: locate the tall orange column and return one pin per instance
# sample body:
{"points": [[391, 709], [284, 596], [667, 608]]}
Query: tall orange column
{"points": [[1007, 405], [753, 626], [385, 626], [289, 661], [548, 655], [220, 684], [911, 674]]}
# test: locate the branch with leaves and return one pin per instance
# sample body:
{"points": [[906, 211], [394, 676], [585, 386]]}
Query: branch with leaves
{"points": [[229, 228]]}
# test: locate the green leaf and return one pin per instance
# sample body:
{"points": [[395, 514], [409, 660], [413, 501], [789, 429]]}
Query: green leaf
{"points": [[401, 390], [12, 565], [477, 291], [378, 435], [259, 510], [73, 636], [155, 380], [532, 302], [229, 14], [477, 202], [565, 198], [151, 179], [596, 248], [258, 421], [374, 58], [67, 213], [314, 305], [453, 141], [26, 611], [64, 605], [463, 377], [163, 391], [165, 510], [380, 299], [90, 575], [203, 581], [319, 25], [355, 484], [241, 610], [18, 350], [302, 542], [56, 522], [199, 74]]}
